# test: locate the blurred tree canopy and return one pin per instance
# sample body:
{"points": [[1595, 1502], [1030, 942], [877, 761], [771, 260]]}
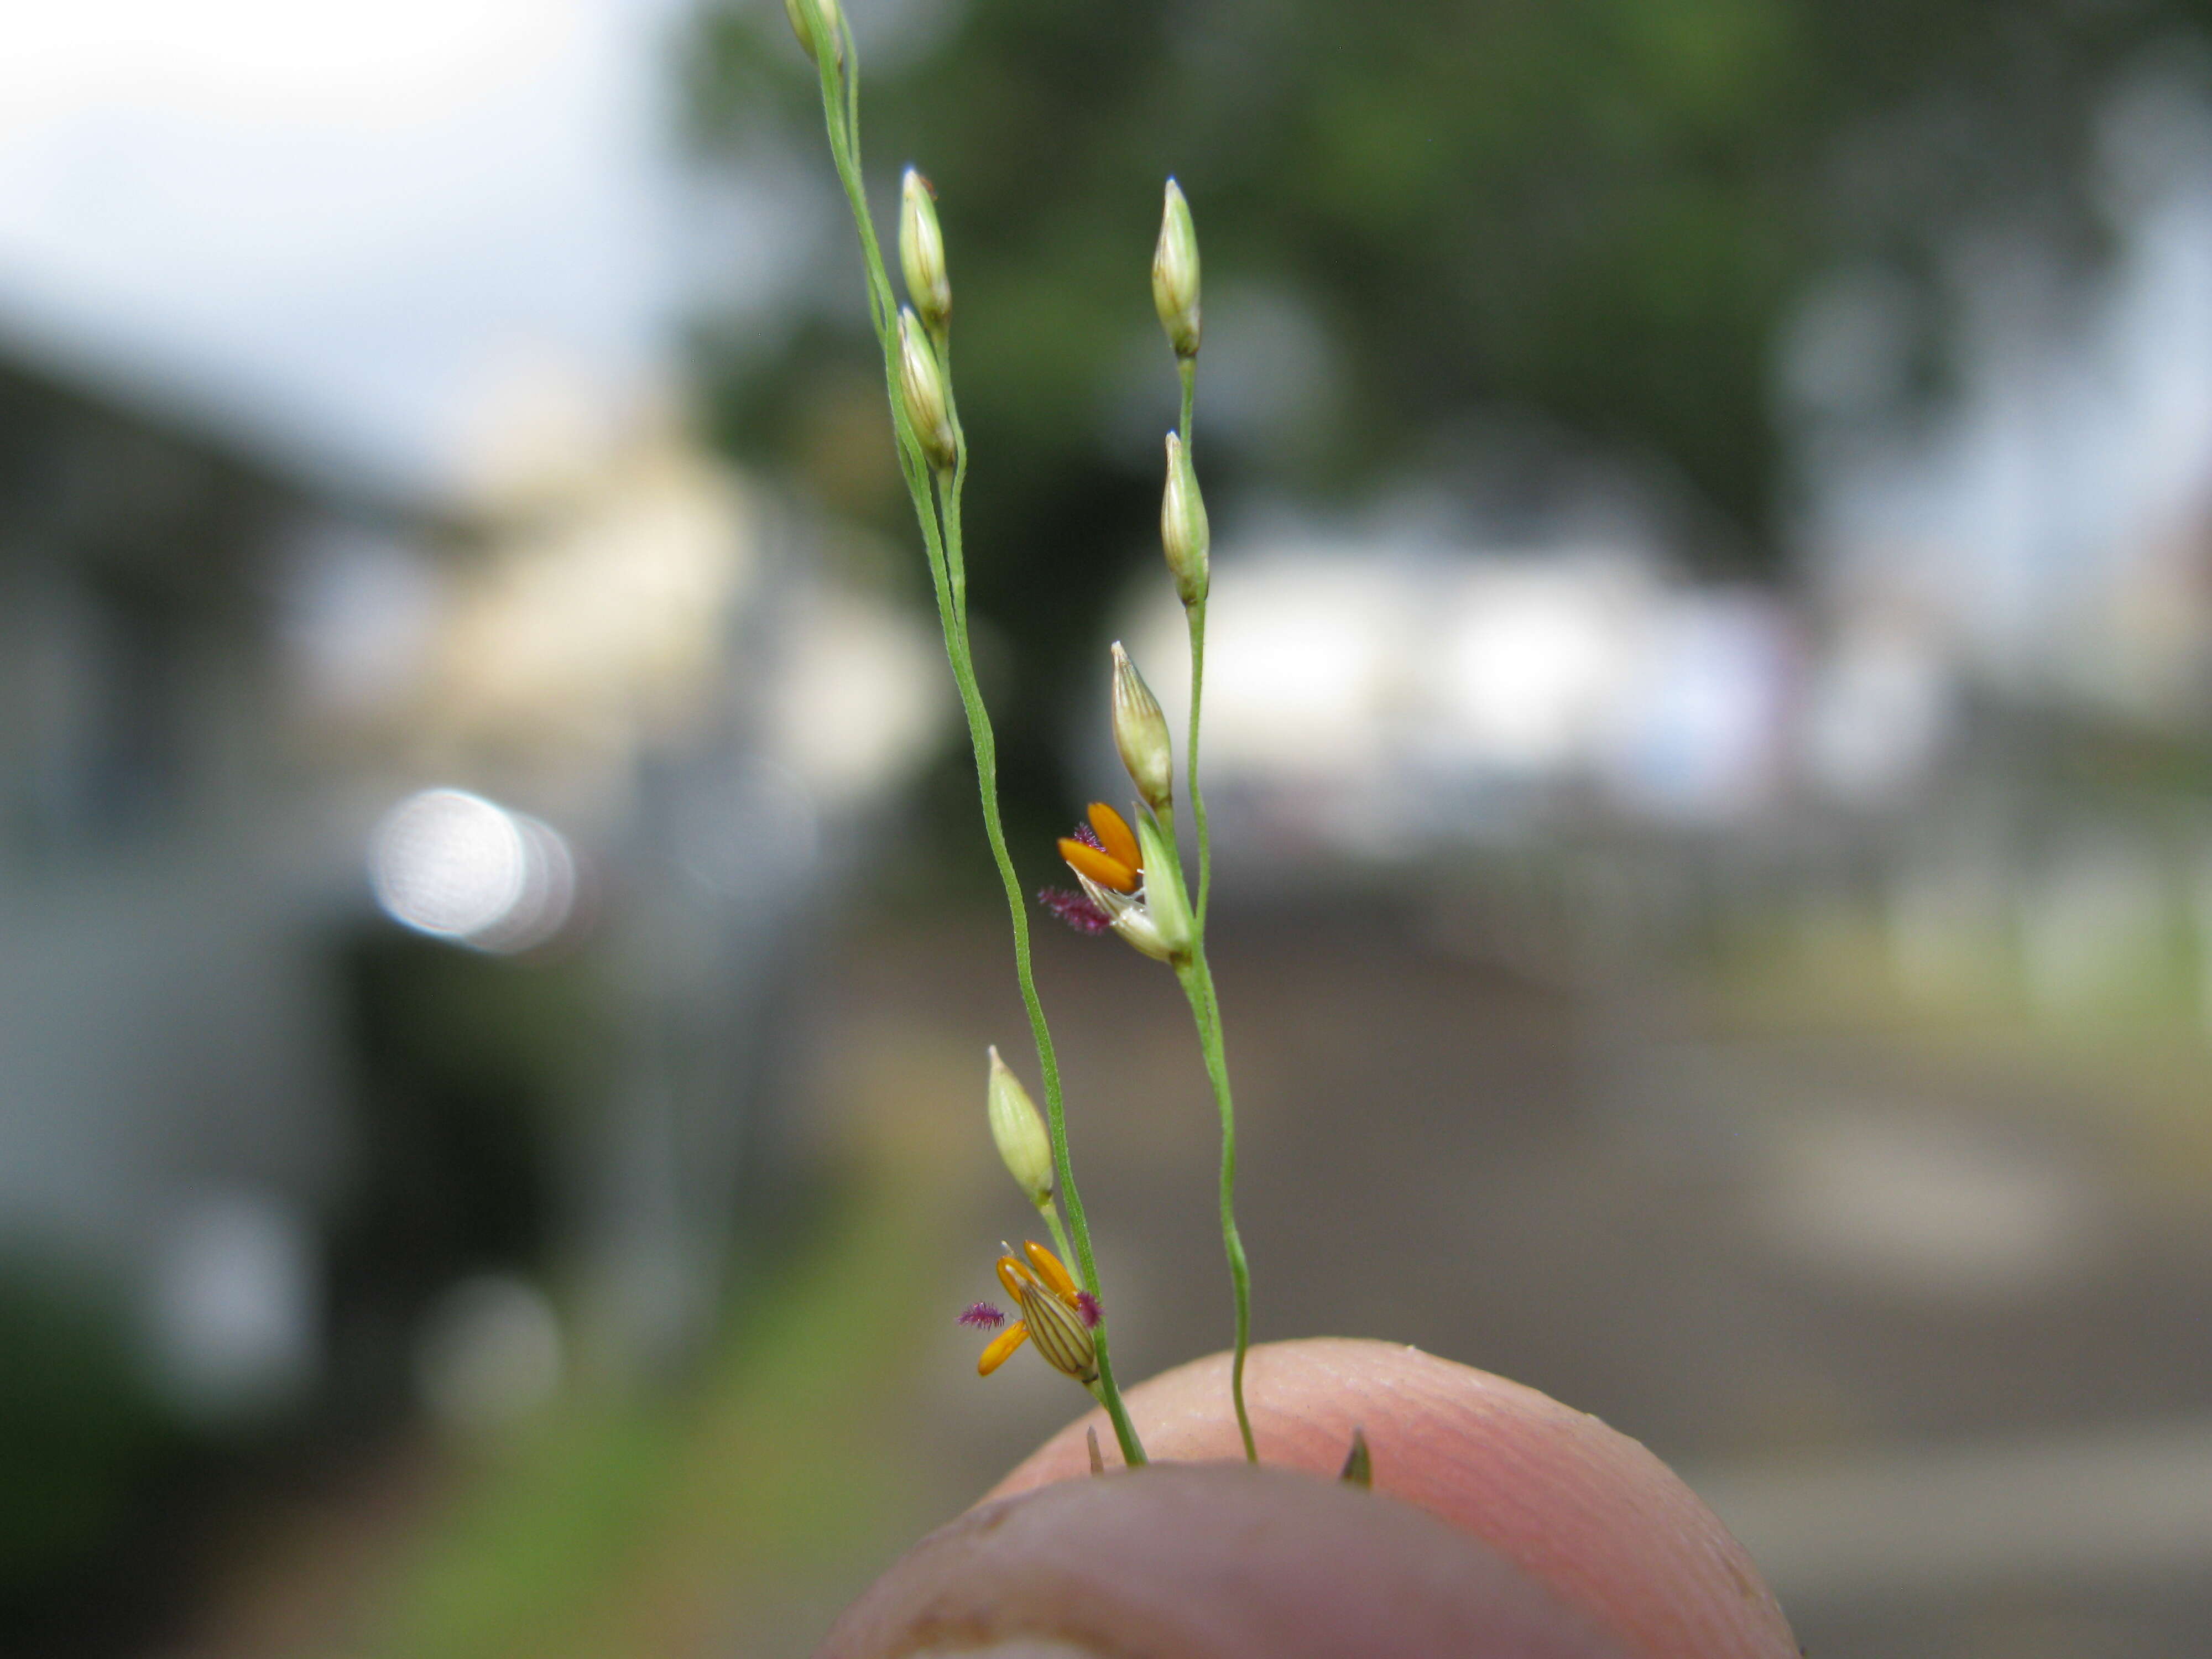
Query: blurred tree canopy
{"points": [[1589, 216]]}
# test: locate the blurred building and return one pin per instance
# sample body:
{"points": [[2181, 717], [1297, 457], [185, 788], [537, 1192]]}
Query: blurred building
{"points": [[1386, 700], [1574, 754], [398, 903], [171, 1100]]}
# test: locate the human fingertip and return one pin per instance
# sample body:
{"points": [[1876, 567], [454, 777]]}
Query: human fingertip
{"points": [[1586, 1509], [1214, 1561]]}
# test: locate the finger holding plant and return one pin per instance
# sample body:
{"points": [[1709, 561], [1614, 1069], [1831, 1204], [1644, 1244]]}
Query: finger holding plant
{"points": [[1594, 1520]]}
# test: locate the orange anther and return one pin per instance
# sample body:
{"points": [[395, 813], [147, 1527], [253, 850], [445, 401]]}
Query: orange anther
{"points": [[1014, 1276], [1114, 832], [1001, 1345], [1107, 872], [1048, 1269]]}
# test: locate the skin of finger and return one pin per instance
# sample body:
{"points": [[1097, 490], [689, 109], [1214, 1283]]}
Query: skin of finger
{"points": [[1209, 1562], [1578, 1505]]}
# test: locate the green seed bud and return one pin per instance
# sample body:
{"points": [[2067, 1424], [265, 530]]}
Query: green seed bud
{"points": [[1166, 904], [1183, 530], [809, 16], [923, 390], [1140, 732], [1019, 1132], [921, 250], [1175, 273]]}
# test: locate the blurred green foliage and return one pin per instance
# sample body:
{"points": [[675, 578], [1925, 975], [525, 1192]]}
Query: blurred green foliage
{"points": [[76, 1429], [1587, 217], [629, 1518]]}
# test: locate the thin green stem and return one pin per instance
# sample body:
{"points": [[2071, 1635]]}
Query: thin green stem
{"points": [[1197, 980], [1050, 1212], [948, 485], [941, 540], [940, 338], [1186, 372], [1197, 976], [1195, 616], [952, 612]]}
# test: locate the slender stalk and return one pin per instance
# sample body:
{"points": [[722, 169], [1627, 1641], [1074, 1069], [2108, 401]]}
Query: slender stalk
{"points": [[1100, 1391], [1197, 976], [1050, 1212], [1197, 979], [941, 339], [941, 540], [952, 608], [1194, 618]]}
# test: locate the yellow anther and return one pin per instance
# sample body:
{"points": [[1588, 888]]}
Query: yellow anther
{"points": [[1053, 1316], [1102, 867], [1001, 1345], [1113, 830], [1049, 1269]]}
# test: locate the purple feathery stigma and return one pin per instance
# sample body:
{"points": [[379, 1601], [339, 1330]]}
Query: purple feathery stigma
{"points": [[1086, 1305], [1077, 911], [983, 1318], [1084, 833]]}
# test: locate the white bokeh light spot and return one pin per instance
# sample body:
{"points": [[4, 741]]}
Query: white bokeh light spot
{"points": [[447, 863]]}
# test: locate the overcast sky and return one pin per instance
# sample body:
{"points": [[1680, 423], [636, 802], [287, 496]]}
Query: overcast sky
{"points": [[340, 229]]}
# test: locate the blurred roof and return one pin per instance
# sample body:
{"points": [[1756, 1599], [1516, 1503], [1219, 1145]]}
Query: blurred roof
{"points": [[75, 433], [328, 232]]}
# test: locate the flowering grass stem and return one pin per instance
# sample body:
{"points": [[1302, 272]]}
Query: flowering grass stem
{"points": [[940, 519], [1197, 978]]}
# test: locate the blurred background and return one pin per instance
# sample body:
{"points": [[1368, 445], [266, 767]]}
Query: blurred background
{"points": [[1709, 750]]}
